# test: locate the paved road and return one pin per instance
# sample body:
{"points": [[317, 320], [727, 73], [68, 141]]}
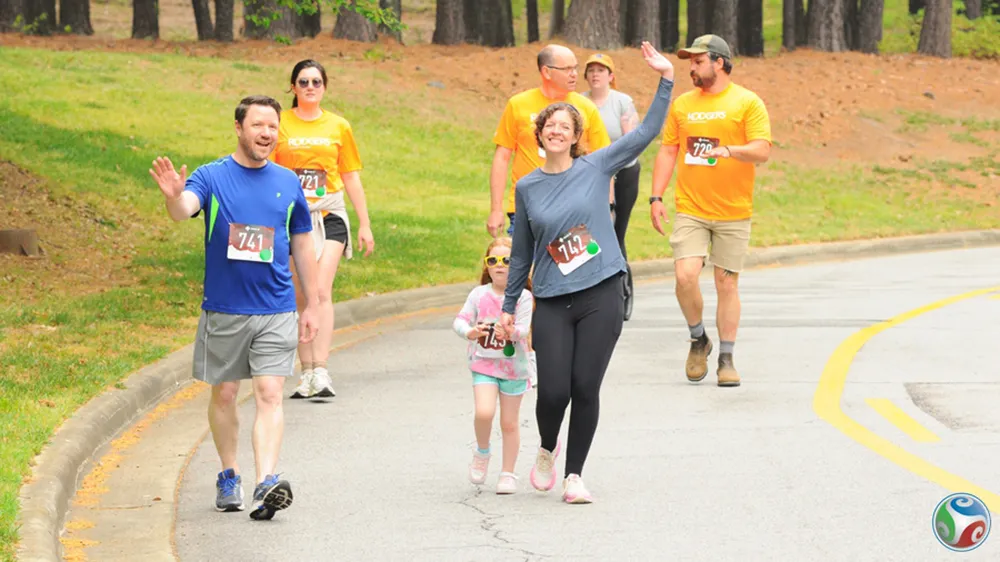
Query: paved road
{"points": [[679, 471]]}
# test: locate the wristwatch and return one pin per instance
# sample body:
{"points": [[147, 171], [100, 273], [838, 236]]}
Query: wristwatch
{"points": [[654, 199]]}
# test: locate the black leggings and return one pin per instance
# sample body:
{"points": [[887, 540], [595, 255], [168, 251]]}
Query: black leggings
{"points": [[574, 336], [626, 192]]}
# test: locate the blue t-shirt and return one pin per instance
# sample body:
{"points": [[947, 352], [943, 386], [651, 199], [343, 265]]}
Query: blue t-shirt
{"points": [[256, 200]]}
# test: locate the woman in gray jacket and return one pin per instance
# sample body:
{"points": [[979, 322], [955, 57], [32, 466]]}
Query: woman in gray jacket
{"points": [[570, 240]]}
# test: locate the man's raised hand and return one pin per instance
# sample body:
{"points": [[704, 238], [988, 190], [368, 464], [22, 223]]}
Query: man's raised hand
{"points": [[656, 61], [171, 183]]}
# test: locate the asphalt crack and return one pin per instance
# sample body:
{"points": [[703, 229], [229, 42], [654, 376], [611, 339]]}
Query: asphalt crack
{"points": [[487, 523]]}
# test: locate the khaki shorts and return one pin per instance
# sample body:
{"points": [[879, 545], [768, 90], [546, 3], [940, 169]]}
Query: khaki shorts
{"points": [[730, 240]]}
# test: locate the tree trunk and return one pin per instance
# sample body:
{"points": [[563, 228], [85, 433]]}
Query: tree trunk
{"points": [[40, 16], [870, 25], [145, 19], [670, 25], [531, 7], [496, 23], [626, 29], [801, 24], [851, 24], [593, 24], [9, 10], [203, 19], [973, 9], [644, 22], [20, 242], [699, 18], [354, 26], [558, 23], [826, 31], [789, 29], [935, 33], [751, 29], [449, 22], [916, 5], [396, 7], [224, 14], [310, 24], [724, 23], [470, 19], [74, 15]]}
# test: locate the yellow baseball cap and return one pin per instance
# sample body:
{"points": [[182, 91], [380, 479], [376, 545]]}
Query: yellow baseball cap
{"points": [[605, 60]]}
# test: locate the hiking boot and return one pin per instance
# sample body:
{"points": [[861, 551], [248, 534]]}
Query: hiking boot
{"points": [[697, 361], [228, 491], [727, 371]]}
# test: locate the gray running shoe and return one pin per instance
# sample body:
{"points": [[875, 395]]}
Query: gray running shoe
{"points": [[229, 491]]}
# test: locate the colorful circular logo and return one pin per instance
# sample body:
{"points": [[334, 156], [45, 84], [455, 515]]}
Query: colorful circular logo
{"points": [[961, 522]]}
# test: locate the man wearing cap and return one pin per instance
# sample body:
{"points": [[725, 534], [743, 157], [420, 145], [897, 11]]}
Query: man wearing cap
{"points": [[515, 135], [619, 115], [721, 131]]}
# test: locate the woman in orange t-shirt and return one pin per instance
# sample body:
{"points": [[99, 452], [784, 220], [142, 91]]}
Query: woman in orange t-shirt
{"points": [[319, 147]]}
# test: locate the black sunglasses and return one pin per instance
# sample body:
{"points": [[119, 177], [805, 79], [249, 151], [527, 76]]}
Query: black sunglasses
{"points": [[316, 82]]}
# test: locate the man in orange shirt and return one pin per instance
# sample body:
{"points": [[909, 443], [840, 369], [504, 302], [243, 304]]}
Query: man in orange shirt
{"points": [[723, 131], [515, 135]]}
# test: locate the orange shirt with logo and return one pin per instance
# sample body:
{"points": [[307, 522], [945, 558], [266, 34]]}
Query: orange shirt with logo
{"points": [[318, 151], [715, 189], [516, 131]]}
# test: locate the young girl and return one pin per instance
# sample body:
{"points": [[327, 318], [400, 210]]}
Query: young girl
{"points": [[500, 362]]}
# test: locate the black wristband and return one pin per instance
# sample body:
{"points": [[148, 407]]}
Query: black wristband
{"points": [[654, 199]]}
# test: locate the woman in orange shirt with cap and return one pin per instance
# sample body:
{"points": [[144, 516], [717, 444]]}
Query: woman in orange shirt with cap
{"points": [[319, 147]]}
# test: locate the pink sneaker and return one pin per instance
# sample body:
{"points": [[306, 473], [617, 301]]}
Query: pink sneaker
{"points": [[478, 468], [543, 474], [507, 483], [574, 491]]}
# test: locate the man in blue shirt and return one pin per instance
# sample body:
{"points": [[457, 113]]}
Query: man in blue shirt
{"points": [[256, 216]]}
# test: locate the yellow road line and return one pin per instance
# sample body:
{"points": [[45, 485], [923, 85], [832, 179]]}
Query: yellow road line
{"points": [[826, 403], [895, 415]]}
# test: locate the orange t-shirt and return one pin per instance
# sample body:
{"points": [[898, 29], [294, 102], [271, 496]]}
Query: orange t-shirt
{"points": [[317, 151], [516, 131], [719, 189]]}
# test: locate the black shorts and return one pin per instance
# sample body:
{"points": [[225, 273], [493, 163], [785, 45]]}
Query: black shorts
{"points": [[336, 230]]}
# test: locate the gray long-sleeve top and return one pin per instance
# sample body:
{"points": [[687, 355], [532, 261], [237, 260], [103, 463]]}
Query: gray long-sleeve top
{"points": [[549, 206]]}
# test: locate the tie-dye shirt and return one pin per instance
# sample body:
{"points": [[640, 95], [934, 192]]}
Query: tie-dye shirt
{"points": [[483, 305]]}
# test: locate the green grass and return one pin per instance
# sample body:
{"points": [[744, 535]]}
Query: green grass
{"points": [[90, 123]]}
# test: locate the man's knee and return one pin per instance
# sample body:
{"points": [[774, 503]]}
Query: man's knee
{"points": [[268, 389], [224, 394], [687, 271]]}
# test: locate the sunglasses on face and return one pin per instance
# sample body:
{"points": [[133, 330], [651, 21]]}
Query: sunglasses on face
{"points": [[316, 82], [492, 261]]}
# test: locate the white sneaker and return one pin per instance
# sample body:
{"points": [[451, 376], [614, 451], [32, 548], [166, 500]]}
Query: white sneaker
{"points": [[507, 484], [322, 386], [479, 467], [574, 491], [305, 388]]}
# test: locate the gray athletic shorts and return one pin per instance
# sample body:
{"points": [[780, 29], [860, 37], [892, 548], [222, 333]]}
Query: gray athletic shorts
{"points": [[232, 347]]}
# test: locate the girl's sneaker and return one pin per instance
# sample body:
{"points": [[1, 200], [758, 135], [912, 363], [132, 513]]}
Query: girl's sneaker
{"points": [[479, 467], [574, 491], [507, 484], [543, 474]]}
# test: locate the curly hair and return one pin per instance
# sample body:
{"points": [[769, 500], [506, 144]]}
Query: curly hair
{"points": [[579, 147]]}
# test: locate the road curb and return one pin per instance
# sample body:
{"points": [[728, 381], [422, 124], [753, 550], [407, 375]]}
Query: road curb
{"points": [[62, 463]]}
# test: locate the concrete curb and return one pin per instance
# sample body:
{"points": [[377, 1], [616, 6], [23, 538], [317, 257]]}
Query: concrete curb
{"points": [[62, 463]]}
